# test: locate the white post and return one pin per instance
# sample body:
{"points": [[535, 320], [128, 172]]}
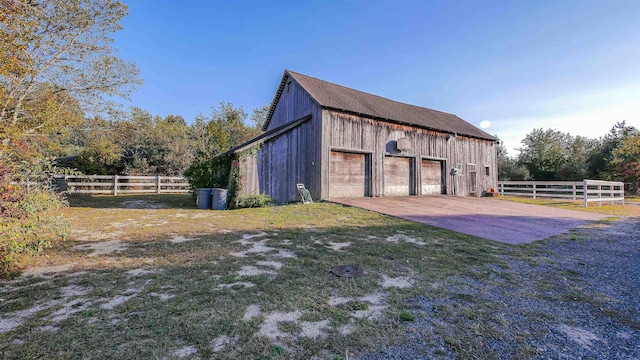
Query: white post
{"points": [[115, 184], [584, 192], [157, 184], [534, 190], [599, 194], [574, 191]]}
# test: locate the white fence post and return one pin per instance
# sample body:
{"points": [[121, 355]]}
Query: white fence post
{"points": [[534, 190], [157, 184], [599, 194], [585, 192], [115, 184], [574, 191]]}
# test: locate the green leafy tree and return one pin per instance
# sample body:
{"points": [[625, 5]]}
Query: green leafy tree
{"points": [[259, 116], [626, 161], [225, 130], [508, 167], [99, 154], [600, 159], [576, 165], [544, 153], [228, 127]]}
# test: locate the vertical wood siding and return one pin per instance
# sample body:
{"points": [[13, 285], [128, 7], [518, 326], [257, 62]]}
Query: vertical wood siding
{"points": [[346, 131], [292, 157]]}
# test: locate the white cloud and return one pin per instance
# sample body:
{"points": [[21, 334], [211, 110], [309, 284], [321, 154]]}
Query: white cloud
{"points": [[485, 124]]}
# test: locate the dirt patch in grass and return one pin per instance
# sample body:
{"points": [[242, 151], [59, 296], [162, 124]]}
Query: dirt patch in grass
{"points": [[397, 282], [583, 337], [102, 247]]}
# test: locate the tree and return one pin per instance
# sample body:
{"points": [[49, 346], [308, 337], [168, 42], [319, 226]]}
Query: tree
{"points": [[544, 153], [231, 122], [626, 161], [508, 167], [99, 154], [259, 116], [600, 159], [576, 165], [57, 58]]}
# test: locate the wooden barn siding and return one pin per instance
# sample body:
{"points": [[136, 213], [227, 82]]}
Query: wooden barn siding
{"points": [[283, 162], [346, 131], [293, 157], [292, 106], [286, 161]]}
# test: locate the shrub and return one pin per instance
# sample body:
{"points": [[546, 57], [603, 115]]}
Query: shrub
{"points": [[26, 225], [253, 201], [208, 174]]}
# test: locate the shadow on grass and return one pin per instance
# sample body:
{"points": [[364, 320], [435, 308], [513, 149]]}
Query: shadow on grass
{"points": [[146, 201], [156, 297]]}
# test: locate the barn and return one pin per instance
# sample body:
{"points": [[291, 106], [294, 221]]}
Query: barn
{"points": [[341, 143]]}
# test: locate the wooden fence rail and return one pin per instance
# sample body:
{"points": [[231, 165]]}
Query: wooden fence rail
{"points": [[596, 190], [116, 184]]}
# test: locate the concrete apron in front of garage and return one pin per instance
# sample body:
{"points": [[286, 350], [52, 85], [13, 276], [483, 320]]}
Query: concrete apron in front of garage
{"points": [[489, 218]]}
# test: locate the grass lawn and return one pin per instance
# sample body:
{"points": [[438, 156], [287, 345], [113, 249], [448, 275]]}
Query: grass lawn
{"points": [[629, 208], [153, 277]]}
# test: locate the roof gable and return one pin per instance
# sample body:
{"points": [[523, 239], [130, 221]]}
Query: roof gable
{"points": [[341, 98]]}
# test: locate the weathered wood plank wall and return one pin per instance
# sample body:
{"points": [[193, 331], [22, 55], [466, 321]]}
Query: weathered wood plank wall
{"points": [[292, 157], [346, 131]]}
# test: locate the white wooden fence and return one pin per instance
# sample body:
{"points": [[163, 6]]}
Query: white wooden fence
{"points": [[116, 184], [596, 190]]}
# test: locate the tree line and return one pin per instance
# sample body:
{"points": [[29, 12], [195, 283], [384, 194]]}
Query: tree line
{"points": [[143, 144], [556, 156]]}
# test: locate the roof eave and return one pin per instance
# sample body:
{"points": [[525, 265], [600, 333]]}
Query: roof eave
{"points": [[267, 136], [489, 137]]}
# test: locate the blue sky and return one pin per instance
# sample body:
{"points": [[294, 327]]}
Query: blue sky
{"points": [[573, 66]]}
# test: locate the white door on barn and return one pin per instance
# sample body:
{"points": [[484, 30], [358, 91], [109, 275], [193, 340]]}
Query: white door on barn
{"points": [[431, 177], [348, 175], [397, 176]]}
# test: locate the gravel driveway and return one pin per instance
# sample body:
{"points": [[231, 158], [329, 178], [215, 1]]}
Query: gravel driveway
{"points": [[569, 297], [490, 218]]}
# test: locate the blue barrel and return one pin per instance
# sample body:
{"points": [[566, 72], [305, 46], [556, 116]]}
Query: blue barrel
{"points": [[203, 201], [219, 198]]}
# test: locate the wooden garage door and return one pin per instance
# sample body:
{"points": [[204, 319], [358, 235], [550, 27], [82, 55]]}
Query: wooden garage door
{"points": [[397, 176], [347, 176], [431, 176]]}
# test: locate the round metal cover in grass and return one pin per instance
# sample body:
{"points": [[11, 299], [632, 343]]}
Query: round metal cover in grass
{"points": [[349, 271]]}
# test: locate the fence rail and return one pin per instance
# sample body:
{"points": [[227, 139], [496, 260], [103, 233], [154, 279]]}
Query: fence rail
{"points": [[116, 184], [596, 190]]}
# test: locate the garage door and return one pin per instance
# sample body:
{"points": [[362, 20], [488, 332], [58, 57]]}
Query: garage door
{"points": [[397, 176], [431, 176], [347, 176]]}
